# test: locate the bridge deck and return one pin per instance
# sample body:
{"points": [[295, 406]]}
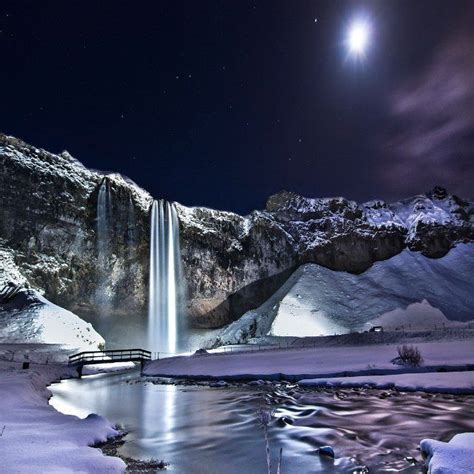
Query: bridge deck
{"points": [[107, 357]]}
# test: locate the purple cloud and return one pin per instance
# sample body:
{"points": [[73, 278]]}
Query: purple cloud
{"points": [[433, 116]]}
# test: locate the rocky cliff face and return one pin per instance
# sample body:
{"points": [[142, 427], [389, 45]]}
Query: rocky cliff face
{"points": [[235, 263], [48, 219]]}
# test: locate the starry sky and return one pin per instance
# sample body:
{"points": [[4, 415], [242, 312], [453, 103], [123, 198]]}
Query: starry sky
{"points": [[223, 102]]}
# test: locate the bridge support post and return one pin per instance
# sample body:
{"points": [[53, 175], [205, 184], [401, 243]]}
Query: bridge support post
{"points": [[79, 370]]}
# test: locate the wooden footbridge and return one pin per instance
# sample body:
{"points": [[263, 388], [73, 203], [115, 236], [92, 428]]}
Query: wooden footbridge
{"points": [[107, 357]]}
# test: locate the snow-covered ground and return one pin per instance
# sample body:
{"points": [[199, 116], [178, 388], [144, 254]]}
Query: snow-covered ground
{"points": [[35, 438], [408, 291], [312, 362], [31, 318], [455, 457], [26, 316], [434, 382]]}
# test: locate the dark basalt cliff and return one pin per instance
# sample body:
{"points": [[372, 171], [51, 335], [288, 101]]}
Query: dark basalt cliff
{"points": [[231, 263]]}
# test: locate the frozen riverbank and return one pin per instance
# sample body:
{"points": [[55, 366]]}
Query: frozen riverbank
{"points": [[432, 382], [318, 362], [36, 438]]}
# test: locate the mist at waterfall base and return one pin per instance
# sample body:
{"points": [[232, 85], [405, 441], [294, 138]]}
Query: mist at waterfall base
{"points": [[166, 328]]}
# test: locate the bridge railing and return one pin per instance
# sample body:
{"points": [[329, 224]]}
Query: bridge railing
{"points": [[116, 355]]}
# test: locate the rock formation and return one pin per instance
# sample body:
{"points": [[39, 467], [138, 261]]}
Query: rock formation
{"points": [[231, 263]]}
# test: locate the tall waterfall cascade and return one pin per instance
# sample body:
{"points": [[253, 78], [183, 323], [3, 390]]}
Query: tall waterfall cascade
{"points": [[165, 286]]}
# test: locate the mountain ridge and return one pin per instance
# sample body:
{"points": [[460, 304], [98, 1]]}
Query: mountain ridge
{"points": [[231, 263]]}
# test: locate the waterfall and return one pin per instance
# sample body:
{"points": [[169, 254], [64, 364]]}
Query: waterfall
{"points": [[165, 295], [104, 210]]}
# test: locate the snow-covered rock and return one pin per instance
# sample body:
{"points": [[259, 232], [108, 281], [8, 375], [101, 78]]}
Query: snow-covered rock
{"points": [[454, 457], [26, 316], [408, 291], [31, 318]]}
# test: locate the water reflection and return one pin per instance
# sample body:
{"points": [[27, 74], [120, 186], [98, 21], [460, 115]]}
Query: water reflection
{"points": [[209, 430]]}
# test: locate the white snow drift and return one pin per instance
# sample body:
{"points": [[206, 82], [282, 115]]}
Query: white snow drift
{"points": [[36, 438], [408, 290], [31, 318], [455, 457]]}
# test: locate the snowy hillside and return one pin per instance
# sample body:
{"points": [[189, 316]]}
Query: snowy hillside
{"points": [[28, 317], [31, 318], [407, 290]]}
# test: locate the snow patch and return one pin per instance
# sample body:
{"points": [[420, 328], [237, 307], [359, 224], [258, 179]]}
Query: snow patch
{"points": [[454, 457], [31, 318]]}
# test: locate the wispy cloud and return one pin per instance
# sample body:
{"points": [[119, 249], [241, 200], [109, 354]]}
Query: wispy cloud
{"points": [[432, 141]]}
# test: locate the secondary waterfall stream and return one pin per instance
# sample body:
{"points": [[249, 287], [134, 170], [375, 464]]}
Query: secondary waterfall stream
{"points": [[104, 203], [165, 279], [103, 214]]}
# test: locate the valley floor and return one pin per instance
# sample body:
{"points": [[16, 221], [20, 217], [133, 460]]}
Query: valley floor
{"points": [[35, 438], [316, 362]]}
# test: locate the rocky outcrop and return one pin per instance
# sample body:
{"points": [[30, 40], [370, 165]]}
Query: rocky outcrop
{"points": [[48, 219], [235, 263]]}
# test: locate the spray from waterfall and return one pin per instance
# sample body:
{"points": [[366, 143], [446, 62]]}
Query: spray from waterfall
{"points": [[165, 291]]}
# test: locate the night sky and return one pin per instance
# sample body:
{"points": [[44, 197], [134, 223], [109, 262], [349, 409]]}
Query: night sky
{"points": [[222, 103]]}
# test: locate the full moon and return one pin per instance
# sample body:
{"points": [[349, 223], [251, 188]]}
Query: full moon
{"points": [[358, 37]]}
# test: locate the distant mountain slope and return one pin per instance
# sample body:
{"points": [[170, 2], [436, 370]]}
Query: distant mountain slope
{"points": [[408, 289]]}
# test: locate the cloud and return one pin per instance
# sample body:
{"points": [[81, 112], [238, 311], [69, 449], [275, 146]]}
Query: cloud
{"points": [[432, 140]]}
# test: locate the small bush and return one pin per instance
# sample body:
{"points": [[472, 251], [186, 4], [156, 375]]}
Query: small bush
{"points": [[408, 355]]}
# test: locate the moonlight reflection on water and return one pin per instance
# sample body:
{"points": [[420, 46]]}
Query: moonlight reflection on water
{"points": [[212, 430]]}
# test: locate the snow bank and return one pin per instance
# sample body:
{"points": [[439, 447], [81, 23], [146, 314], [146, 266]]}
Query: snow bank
{"points": [[434, 382], [408, 290], [30, 317], [455, 457], [36, 438], [315, 362], [414, 316]]}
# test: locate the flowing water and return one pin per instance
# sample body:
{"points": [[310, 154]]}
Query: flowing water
{"points": [[103, 216], [165, 279], [104, 206], [203, 430]]}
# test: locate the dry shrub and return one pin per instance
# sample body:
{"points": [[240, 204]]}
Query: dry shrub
{"points": [[409, 355]]}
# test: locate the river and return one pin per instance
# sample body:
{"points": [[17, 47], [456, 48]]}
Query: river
{"points": [[204, 430]]}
